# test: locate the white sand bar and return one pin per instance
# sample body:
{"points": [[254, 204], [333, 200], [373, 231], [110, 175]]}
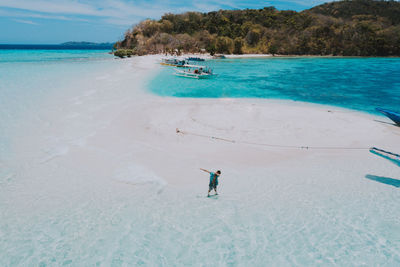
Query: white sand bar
{"points": [[103, 178]]}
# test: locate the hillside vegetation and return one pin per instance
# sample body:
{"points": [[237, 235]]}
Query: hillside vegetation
{"points": [[348, 28]]}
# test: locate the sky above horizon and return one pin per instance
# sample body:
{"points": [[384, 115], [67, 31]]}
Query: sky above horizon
{"points": [[57, 21]]}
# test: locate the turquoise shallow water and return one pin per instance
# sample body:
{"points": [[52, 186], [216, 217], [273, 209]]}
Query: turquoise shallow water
{"points": [[29, 77], [46, 55], [355, 83]]}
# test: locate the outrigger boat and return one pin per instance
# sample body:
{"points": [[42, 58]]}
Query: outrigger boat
{"points": [[394, 116], [195, 72], [195, 59], [175, 62]]}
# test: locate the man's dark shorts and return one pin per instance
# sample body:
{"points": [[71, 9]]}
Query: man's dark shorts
{"points": [[212, 186]]}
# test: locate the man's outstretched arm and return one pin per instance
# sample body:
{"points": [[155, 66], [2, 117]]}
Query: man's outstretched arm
{"points": [[204, 170]]}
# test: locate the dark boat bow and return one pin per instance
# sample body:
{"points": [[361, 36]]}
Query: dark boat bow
{"points": [[394, 116]]}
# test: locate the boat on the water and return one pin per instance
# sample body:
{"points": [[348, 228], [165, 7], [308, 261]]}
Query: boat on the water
{"points": [[394, 116], [195, 72], [175, 62], [195, 59]]}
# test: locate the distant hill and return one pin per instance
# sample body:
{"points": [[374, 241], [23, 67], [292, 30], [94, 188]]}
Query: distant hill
{"points": [[348, 28]]}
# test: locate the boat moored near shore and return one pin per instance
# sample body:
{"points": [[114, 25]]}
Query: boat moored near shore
{"points": [[175, 62], [195, 59], [195, 71]]}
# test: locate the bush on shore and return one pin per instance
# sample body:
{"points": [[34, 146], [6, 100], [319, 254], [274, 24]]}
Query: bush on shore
{"points": [[121, 53]]}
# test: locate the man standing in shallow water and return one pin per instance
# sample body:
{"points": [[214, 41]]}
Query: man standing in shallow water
{"points": [[213, 181]]}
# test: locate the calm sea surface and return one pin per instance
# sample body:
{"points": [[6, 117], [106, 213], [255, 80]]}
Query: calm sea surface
{"points": [[355, 83]]}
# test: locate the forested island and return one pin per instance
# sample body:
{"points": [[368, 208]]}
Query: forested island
{"points": [[343, 28]]}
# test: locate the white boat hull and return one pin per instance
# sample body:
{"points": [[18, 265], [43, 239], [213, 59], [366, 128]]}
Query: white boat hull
{"points": [[193, 75]]}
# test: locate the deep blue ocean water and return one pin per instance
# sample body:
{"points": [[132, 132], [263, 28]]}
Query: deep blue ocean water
{"points": [[354, 83]]}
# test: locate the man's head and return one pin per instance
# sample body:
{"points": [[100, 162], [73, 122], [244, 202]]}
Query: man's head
{"points": [[218, 173]]}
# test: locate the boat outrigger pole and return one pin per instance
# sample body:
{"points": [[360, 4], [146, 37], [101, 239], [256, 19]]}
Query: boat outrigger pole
{"points": [[393, 157]]}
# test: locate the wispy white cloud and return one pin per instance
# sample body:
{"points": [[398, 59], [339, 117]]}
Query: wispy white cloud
{"points": [[123, 12], [291, 3], [202, 7], [218, 3], [117, 11], [28, 14], [106, 8], [25, 21], [46, 6], [118, 21]]}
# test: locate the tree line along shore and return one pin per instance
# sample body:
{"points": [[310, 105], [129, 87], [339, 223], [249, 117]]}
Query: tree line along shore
{"points": [[343, 28]]}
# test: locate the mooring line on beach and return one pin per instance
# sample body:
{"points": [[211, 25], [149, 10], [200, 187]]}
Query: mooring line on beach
{"points": [[178, 131]]}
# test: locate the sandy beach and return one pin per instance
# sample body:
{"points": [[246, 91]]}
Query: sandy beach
{"points": [[108, 159]]}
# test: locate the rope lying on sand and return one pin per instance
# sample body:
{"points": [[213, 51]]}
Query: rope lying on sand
{"points": [[269, 145]]}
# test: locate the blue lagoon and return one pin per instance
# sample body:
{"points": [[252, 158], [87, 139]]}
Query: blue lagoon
{"points": [[354, 83]]}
